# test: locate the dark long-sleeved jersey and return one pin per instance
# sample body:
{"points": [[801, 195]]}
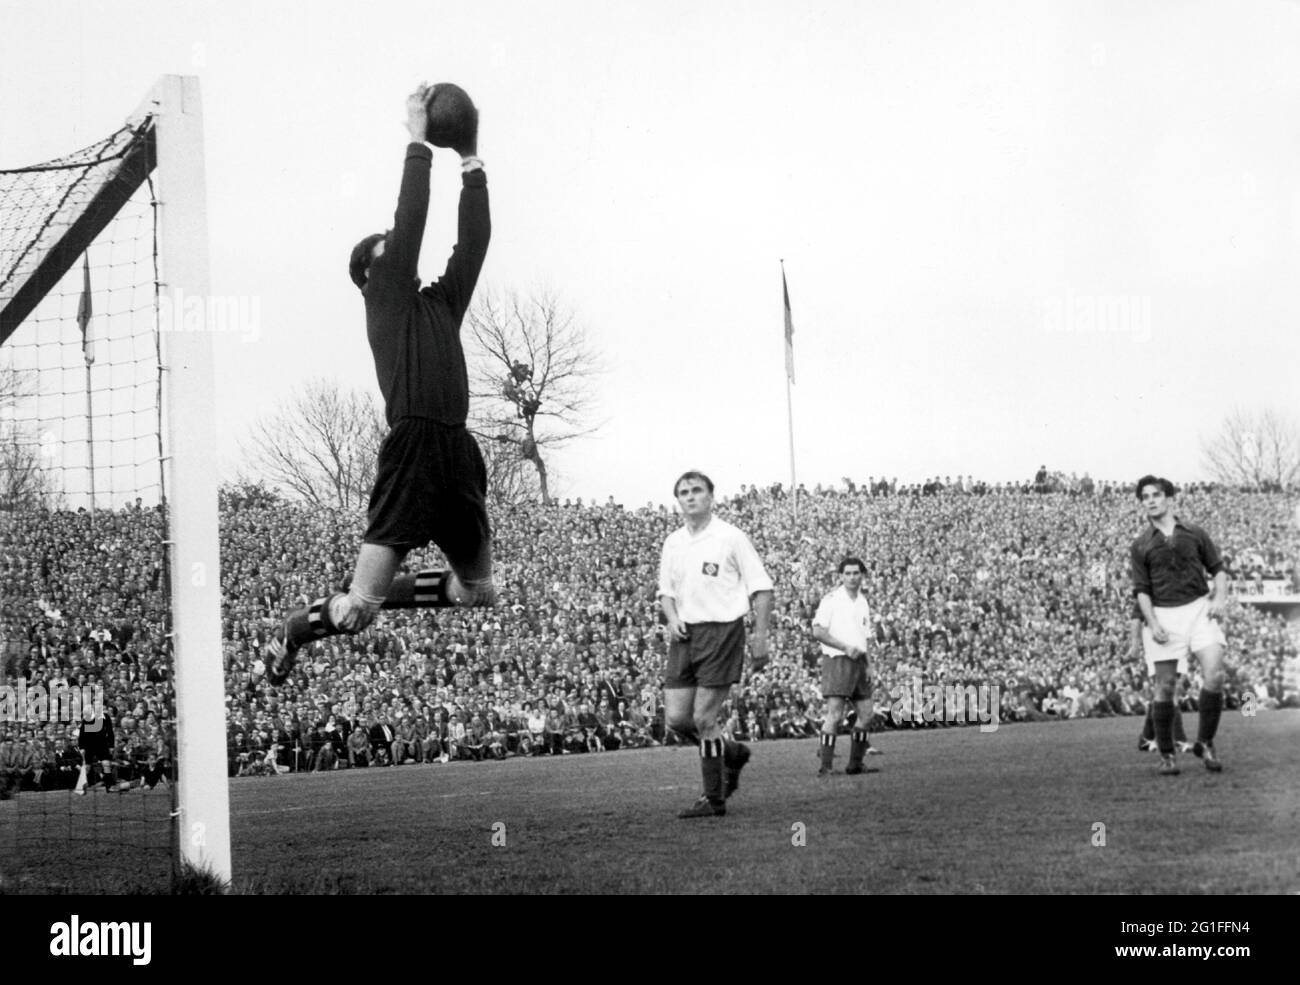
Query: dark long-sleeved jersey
{"points": [[415, 334], [1172, 570]]}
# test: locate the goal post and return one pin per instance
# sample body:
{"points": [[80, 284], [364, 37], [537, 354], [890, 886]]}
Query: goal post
{"points": [[105, 374], [189, 435]]}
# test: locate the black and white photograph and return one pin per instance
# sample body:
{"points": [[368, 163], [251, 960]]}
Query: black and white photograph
{"points": [[651, 449]]}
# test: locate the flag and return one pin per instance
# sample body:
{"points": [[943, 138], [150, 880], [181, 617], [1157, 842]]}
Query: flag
{"points": [[789, 330], [84, 312]]}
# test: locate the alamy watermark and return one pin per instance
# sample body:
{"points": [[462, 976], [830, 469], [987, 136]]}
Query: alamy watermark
{"points": [[953, 703], [236, 314], [1093, 314], [70, 704], [76, 938]]}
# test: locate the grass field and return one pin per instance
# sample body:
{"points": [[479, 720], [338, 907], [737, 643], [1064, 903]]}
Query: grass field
{"points": [[950, 811]]}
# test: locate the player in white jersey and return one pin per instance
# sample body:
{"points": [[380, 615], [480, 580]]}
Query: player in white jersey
{"points": [[709, 576], [842, 626]]}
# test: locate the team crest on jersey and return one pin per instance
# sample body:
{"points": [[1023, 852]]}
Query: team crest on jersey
{"points": [[710, 568]]}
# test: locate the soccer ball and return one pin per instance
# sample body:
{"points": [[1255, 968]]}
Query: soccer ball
{"points": [[453, 120]]}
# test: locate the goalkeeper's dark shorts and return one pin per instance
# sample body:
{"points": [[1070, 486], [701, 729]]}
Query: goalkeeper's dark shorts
{"points": [[431, 485]]}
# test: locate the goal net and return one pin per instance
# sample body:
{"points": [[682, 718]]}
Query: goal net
{"points": [[100, 744]]}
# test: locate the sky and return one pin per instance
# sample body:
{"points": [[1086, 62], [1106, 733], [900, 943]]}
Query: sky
{"points": [[1014, 233]]}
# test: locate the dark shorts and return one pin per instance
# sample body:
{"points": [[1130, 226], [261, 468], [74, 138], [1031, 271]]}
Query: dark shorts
{"points": [[431, 485], [845, 678], [712, 656]]}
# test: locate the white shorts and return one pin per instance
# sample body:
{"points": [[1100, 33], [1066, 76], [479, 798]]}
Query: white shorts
{"points": [[1190, 630]]}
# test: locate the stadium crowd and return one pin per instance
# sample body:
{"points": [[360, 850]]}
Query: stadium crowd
{"points": [[1022, 586]]}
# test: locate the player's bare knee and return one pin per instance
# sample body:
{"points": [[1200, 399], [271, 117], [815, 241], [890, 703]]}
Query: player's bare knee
{"points": [[353, 612], [706, 727], [472, 592], [682, 724]]}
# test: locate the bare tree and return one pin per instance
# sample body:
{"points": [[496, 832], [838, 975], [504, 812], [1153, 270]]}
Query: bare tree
{"points": [[532, 375], [246, 494], [510, 479], [15, 387], [322, 445], [1255, 451], [24, 482]]}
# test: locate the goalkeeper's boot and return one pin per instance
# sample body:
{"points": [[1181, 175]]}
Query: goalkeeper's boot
{"points": [[279, 656], [300, 627], [732, 763], [1169, 766], [1205, 752], [704, 807]]}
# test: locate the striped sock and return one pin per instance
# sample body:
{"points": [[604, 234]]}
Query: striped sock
{"points": [[828, 749], [424, 590], [858, 747], [711, 768], [313, 623]]}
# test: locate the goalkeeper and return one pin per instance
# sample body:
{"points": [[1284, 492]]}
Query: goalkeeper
{"points": [[431, 483]]}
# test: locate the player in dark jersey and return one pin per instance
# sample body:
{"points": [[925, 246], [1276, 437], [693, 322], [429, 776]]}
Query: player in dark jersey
{"points": [[1169, 565], [431, 483]]}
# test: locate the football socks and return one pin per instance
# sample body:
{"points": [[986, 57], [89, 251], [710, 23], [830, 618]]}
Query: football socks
{"points": [[424, 590], [711, 769], [1211, 709], [858, 747], [1163, 717], [827, 750]]}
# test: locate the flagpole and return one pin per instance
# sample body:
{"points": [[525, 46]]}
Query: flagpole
{"points": [[90, 443], [85, 312], [789, 399], [789, 413]]}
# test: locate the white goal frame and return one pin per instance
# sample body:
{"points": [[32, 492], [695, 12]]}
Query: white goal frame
{"points": [[189, 460], [168, 144]]}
